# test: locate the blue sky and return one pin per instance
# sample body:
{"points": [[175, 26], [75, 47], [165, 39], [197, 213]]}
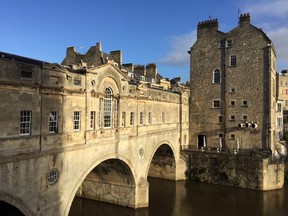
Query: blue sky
{"points": [[150, 31]]}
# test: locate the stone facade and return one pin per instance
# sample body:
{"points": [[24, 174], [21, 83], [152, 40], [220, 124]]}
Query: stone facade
{"points": [[282, 82], [86, 128], [233, 91]]}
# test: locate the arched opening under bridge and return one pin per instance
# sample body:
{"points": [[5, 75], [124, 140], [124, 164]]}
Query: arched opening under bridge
{"points": [[110, 181], [163, 163], [9, 210]]}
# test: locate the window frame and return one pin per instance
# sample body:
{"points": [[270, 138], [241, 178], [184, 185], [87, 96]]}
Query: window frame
{"points": [[53, 123], [150, 118], [25, 122], [216, 79], [123, 119], [92, 120], [141, 118], [77, 121], [214, 102], [131, 119], [233, 61]]}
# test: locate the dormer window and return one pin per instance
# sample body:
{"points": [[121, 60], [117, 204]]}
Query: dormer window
{"points": [[142, 78]]}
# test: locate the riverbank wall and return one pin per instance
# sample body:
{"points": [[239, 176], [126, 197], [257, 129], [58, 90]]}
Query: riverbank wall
{"points": [[240, 170]]}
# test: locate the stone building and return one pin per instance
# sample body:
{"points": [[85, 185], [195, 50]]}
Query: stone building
{"points": [[282, 82], [91, 126], [233, 103]]}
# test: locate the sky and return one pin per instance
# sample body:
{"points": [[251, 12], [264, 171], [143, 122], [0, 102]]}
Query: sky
{"points": [[148, 31]]}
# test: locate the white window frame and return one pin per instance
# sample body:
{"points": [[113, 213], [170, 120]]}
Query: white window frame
{"points": [[53, 122], [245, 103], [100, 113], [108, 108], [123, 121], [213, 104], [77, 121], [215, 79], [232, 117], [25, 122]]}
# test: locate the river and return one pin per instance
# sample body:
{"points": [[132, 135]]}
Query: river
{"points": [[186, 198]]}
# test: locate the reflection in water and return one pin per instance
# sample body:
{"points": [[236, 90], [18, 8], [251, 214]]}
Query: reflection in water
{"points": [[169, 198]]}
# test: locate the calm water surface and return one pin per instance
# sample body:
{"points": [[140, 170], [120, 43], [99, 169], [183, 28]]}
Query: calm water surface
{"points": [[169, 198]]}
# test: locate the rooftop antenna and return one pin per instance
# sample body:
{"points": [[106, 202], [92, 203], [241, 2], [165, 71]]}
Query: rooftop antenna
{"points": [[239, 11], [209, 17]]}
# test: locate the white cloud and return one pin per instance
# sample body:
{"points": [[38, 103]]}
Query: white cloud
{"points": [[179, 46], [272, 17], [279, 38], [268, 8]]}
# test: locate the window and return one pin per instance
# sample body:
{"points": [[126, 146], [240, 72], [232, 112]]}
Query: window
{"points": [[123, 119], [244, 118], [115, 113], [92, 120], [100, 113], [216, 104], [232, 136], [108, 107], [286, 91], [77, 82], [229, 43], [76, 120], [232, 118], [279, 107], [245, 103], [216, 76], [52, 177], [232, 103], [163, 117], [25, 122], [26, 75], [232, 90], [149, 118], [131, 118], [53, 122], [142, 78], [222, 44], [141, 118], [279, 122], [220, 119], [233, 61]]}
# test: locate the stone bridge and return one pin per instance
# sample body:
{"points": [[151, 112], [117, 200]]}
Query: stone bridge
{"points": [[90, 133], [113, 171]]}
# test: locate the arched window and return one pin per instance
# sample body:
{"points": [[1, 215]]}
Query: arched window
{"points": [[216, 76], [108, 107]]}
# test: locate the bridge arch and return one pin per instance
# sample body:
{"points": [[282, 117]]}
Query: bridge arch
{"points": [[12, 205], [162, 162], [107, 179]]}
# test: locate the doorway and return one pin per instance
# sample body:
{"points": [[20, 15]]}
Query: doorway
{"points": [[202, 141]]}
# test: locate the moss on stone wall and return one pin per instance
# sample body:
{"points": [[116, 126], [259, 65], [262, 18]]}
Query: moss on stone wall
{"points": [[231, 170]]}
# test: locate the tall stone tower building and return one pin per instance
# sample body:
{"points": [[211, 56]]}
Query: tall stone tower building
{"points": [[233, 101], [233, 90]]}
